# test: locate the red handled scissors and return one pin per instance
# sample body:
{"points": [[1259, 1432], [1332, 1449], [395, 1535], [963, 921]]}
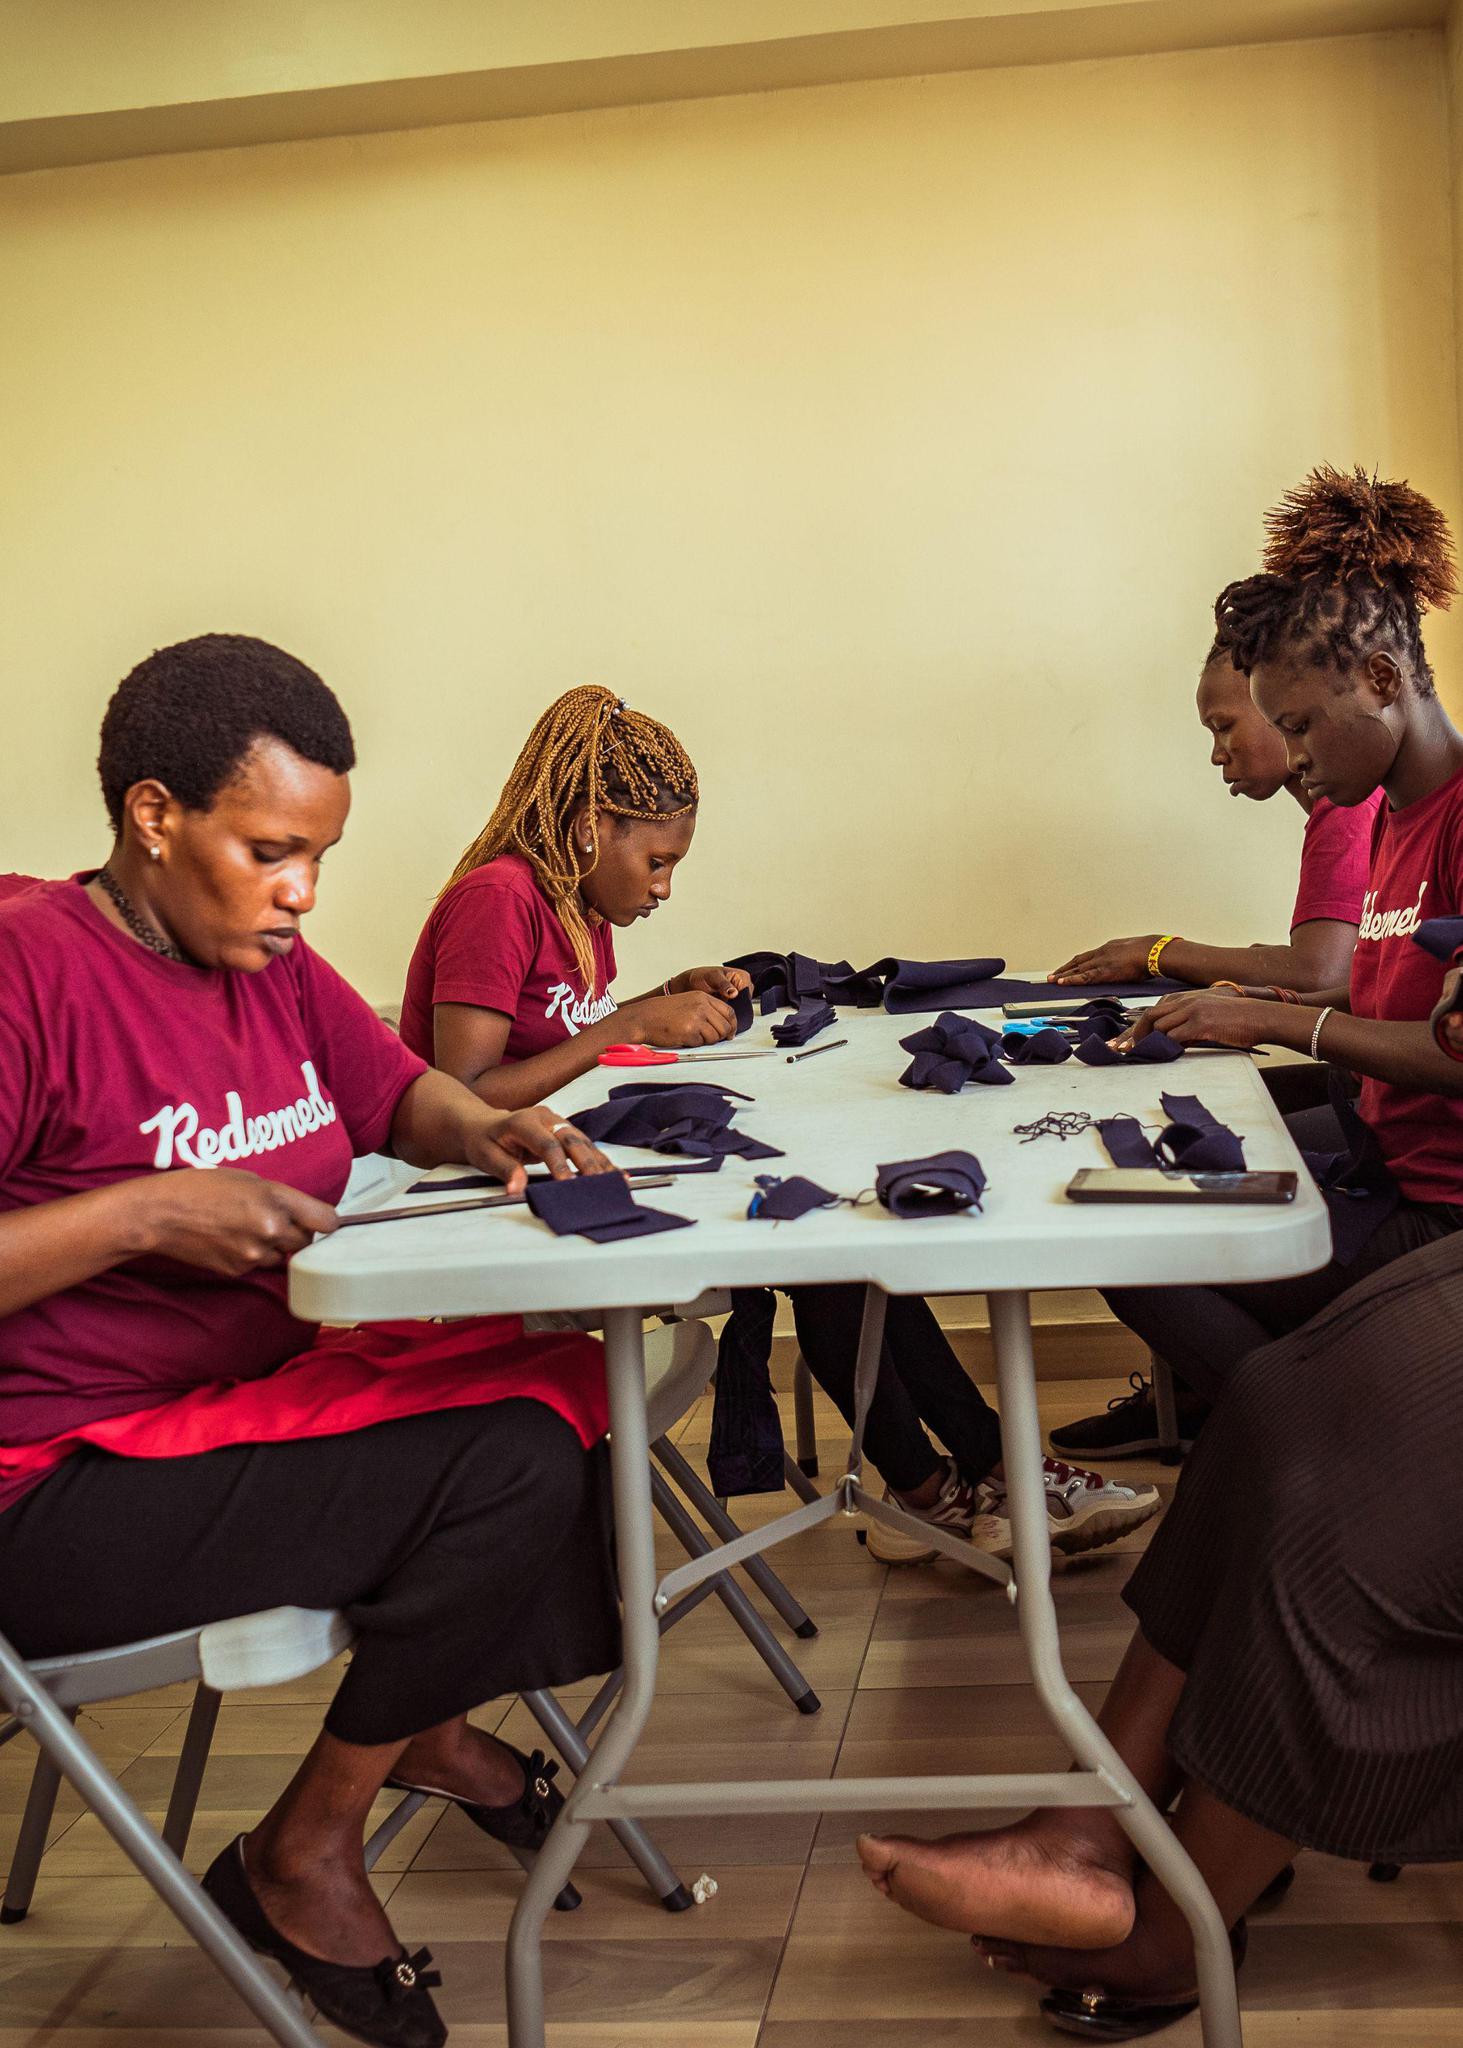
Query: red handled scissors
{"points": [[657, 1056]]}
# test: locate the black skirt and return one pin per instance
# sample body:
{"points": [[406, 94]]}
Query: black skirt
{"points": [[1308, 1578]]}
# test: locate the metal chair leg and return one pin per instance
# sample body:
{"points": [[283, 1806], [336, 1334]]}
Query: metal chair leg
{"points": [[806, 1421], [797, 1479], [1170, 1444], [30, 1843], [768, 1584], [740, 1608], [632, 1838], [188, 1779]]}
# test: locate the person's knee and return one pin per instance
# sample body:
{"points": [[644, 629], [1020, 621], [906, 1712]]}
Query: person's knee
{"points": [[526, 1449]]}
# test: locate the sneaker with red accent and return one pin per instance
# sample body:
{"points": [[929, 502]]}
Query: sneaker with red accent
{"points": [[1084, 1510], [956, 1509]]}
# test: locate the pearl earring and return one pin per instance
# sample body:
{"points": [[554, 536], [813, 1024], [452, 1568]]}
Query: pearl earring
{"points": [[156, 852]]}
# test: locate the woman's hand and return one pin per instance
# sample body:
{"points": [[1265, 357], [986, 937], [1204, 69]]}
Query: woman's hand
{"points": [[501, 1144], [1117, 960], [1213, 1016], [1446, 1020], [725, 982], [694, 1019], [223, 1220]]}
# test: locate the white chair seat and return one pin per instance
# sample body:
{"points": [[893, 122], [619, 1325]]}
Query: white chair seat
{"points": [[267, 1648]]}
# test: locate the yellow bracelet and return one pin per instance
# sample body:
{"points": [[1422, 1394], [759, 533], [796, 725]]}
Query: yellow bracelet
{"points": [[1155, 950]]}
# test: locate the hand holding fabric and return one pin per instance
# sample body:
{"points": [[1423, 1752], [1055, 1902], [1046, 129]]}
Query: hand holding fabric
{"points": [[688, 1019], [1207, 1016], [725, 982]]}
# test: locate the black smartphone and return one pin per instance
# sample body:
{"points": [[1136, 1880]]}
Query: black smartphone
{"points": [[1159, 1184]]}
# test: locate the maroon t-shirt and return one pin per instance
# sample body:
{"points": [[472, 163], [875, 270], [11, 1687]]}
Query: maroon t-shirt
{"points": [[1416, 873], [116, 1063], [495, 941], [1335, 856], [16, 885]]}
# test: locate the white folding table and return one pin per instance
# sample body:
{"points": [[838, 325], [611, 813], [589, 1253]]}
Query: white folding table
{"points": [[837, 1117]]}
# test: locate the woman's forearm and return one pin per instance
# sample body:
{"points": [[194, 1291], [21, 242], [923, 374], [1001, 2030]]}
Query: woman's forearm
{"points": [[1308, 963], [1404, 1054], [51, 1246]]}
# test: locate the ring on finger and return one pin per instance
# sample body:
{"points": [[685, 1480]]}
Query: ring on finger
{"points": [[554, 1133]]}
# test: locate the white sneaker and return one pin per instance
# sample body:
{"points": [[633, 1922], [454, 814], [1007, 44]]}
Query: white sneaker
{"points": [[955, 1509], [1083, 1510]]}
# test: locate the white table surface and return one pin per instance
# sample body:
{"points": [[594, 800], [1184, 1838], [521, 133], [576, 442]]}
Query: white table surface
{"points": [[837, 1118]]}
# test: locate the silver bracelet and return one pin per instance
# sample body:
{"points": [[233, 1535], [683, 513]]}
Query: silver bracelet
{"points": [[1316, 1034]]}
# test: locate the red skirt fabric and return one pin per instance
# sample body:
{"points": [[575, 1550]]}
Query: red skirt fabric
{"points": [[349, 1380]]}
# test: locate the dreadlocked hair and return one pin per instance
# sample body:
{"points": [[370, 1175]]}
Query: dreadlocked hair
{"points": [[1349, 561], [589, 749]]}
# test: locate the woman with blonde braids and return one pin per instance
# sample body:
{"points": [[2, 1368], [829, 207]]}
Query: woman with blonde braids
{"points": [[509, 990], [509, 986]]}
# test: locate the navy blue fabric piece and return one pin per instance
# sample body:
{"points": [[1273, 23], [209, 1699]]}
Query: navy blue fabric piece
{"points": [[1440, 936], [941, 1185], [783, 1201], [598, 1206], [1128, 1144], [917, 985], [1095, 1051], [691, 1117], [950, 1052], [742, 1010], [1195, 1141], [746, 1453], [1356, 1186], [1046, 1048], [806, 1021], [910, 987]]}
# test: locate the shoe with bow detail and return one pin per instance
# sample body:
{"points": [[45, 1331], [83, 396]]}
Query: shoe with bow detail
{"points": [[523, 1824]]}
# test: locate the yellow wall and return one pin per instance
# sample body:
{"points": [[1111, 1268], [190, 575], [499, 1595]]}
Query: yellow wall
{"points": [[889, 439]]}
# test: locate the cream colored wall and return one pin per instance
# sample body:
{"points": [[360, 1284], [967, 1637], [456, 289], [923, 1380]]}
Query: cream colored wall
{"points": [[891, 440]]}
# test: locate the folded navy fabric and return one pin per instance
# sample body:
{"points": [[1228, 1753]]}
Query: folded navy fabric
{"points": [[952, 1051], [941, 1185], [916, 985], [1047, 1048], [598, 1206], [906, 988], [746, 1454], [1192, 1141], [1095, 1051], [1356, 1185], [690, 1117], [1440, 936], [743, 1011], [783, 1201], [807, 1020]]}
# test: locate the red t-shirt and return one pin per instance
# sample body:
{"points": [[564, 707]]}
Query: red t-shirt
{"points": [[16, 885], [1416, 873], [1335, 856], [116, 1063], [495, 941]]}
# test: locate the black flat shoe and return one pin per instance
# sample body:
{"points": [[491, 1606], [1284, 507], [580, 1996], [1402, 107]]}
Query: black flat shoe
{"points": [[524, 1822], [1103, 2016], [387, 2003]]}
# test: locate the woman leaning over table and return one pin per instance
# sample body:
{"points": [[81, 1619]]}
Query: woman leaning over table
{"points": [[183, 1085]]}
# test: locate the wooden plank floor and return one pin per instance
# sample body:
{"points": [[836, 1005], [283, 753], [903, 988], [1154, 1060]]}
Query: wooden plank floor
{"points": [[918, 1670]]}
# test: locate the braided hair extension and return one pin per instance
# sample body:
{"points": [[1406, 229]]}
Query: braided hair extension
{"points": [[1350, 561], [588, 748]]}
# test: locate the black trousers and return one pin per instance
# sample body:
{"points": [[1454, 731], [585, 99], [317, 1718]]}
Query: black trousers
{"points": [[469, 1549], [920, 1381]]}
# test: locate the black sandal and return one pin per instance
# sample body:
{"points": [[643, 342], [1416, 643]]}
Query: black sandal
{"points": [[1104, 2016], [388, 2003], [524, 1822]]}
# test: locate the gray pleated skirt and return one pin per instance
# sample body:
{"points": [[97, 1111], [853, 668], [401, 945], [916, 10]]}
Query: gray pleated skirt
{"points": [[1308, 1578]]}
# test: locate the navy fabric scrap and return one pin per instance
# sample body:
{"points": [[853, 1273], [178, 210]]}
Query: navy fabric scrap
{"points": [[941, 1185], [598, 1206], [746, 1452], [691, 1117], [807, 1020], [950, 1052], [1095, 1051], [1046, 1048], [1358, 1190], [741, 1005], [1192, 1141], [784, 1201], [1440, 936]]}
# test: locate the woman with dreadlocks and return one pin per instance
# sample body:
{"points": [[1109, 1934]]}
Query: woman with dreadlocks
{"points": [[509, 990]]}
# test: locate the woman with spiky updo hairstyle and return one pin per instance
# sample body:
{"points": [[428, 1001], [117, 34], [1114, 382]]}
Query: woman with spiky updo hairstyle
{"points": [[1297, 1674]]}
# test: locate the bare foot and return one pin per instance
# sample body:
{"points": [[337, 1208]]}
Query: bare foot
{"points": [[1023, 1884], [461, 1760]]}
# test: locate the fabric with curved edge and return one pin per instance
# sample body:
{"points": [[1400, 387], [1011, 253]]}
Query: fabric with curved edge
{"points": [[1440, 936], [691, 1117], [806, 1021], [598, 1206], [1192, 1141], [1045, 1048], [1128, 1144], [952, 1051], [784, 1201], [1095, 1051], [742, 1010], [942, 1185]]}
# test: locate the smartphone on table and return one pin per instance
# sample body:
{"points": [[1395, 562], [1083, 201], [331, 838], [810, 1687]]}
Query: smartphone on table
{"points": [[1164, 1184]]}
